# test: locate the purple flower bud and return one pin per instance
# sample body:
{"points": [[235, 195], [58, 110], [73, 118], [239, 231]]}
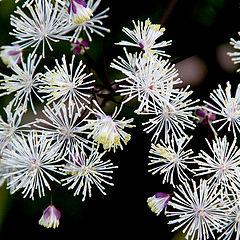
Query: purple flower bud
{"points": [[158, 202], [205, 115], [50, 217], [79, 46]]}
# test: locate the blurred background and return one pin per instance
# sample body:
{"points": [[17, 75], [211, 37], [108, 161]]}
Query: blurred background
{"points": [[200, 31]]}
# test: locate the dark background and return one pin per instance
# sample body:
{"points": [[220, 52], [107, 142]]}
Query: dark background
{"points": [[197, 28]]}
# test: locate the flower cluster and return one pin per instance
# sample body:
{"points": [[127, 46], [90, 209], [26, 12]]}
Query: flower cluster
{"points": [[72, 129]]}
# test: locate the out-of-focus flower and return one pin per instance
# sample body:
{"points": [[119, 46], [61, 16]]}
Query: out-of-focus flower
{"points": [[23, 82], [171, 159], [44, 24], [223, 166], [198, 210], [107, 130], [158, 202], [227, 107], [83, 18], [63, 84], [11, 55], [144, 36], [86, 171], [50, 217], [26, 2], [30, 162], [79, 46], [235, 55]]}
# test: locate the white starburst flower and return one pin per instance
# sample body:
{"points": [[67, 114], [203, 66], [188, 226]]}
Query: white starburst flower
{"points": [[172, 116], [222, 166], [144, 36], [23, 82], [44, 23], [107, 130], [11, 55], [158, 202], [171, 160], [26, 2], [67, 84], [64, 125], [148, 79], [233, 226], [235, 55], [50, 217], [227, 107], [82, 17], [198, 209], [12, 127], [30, 162], [87, 170]]}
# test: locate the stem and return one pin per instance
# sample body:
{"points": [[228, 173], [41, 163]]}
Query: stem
{"points": [[169, 9]]}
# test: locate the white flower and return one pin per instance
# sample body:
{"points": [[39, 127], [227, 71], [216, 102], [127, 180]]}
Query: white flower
{"points": [[148, 79], [199, 210], [26, 2], [64, 125], [233, 226], [12, 127], [107, 130], [30, 162], [144, 36], [23, 82], [173, 116], [86, 171], [227, 107], [11, 55], [158, 202], [79, 11], [62, 84], [83, 18], [171, 160], [222, 166], [44, 24], [50, 217], [235, 55]]}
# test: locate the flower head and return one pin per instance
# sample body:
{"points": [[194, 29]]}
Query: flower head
{"points": [[79, 11], [148, 79], [12, 127], [198, 209], [44, 24], [235, 55], [144, 36], [227, 107], [50, 217], [221, 165], [64, 125], [30, 162], [23, 82], [63, 84], [11, 55], [158, 202], [173, 116], [87, 170], [171, 160], [107, 130], [82, 17]]}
